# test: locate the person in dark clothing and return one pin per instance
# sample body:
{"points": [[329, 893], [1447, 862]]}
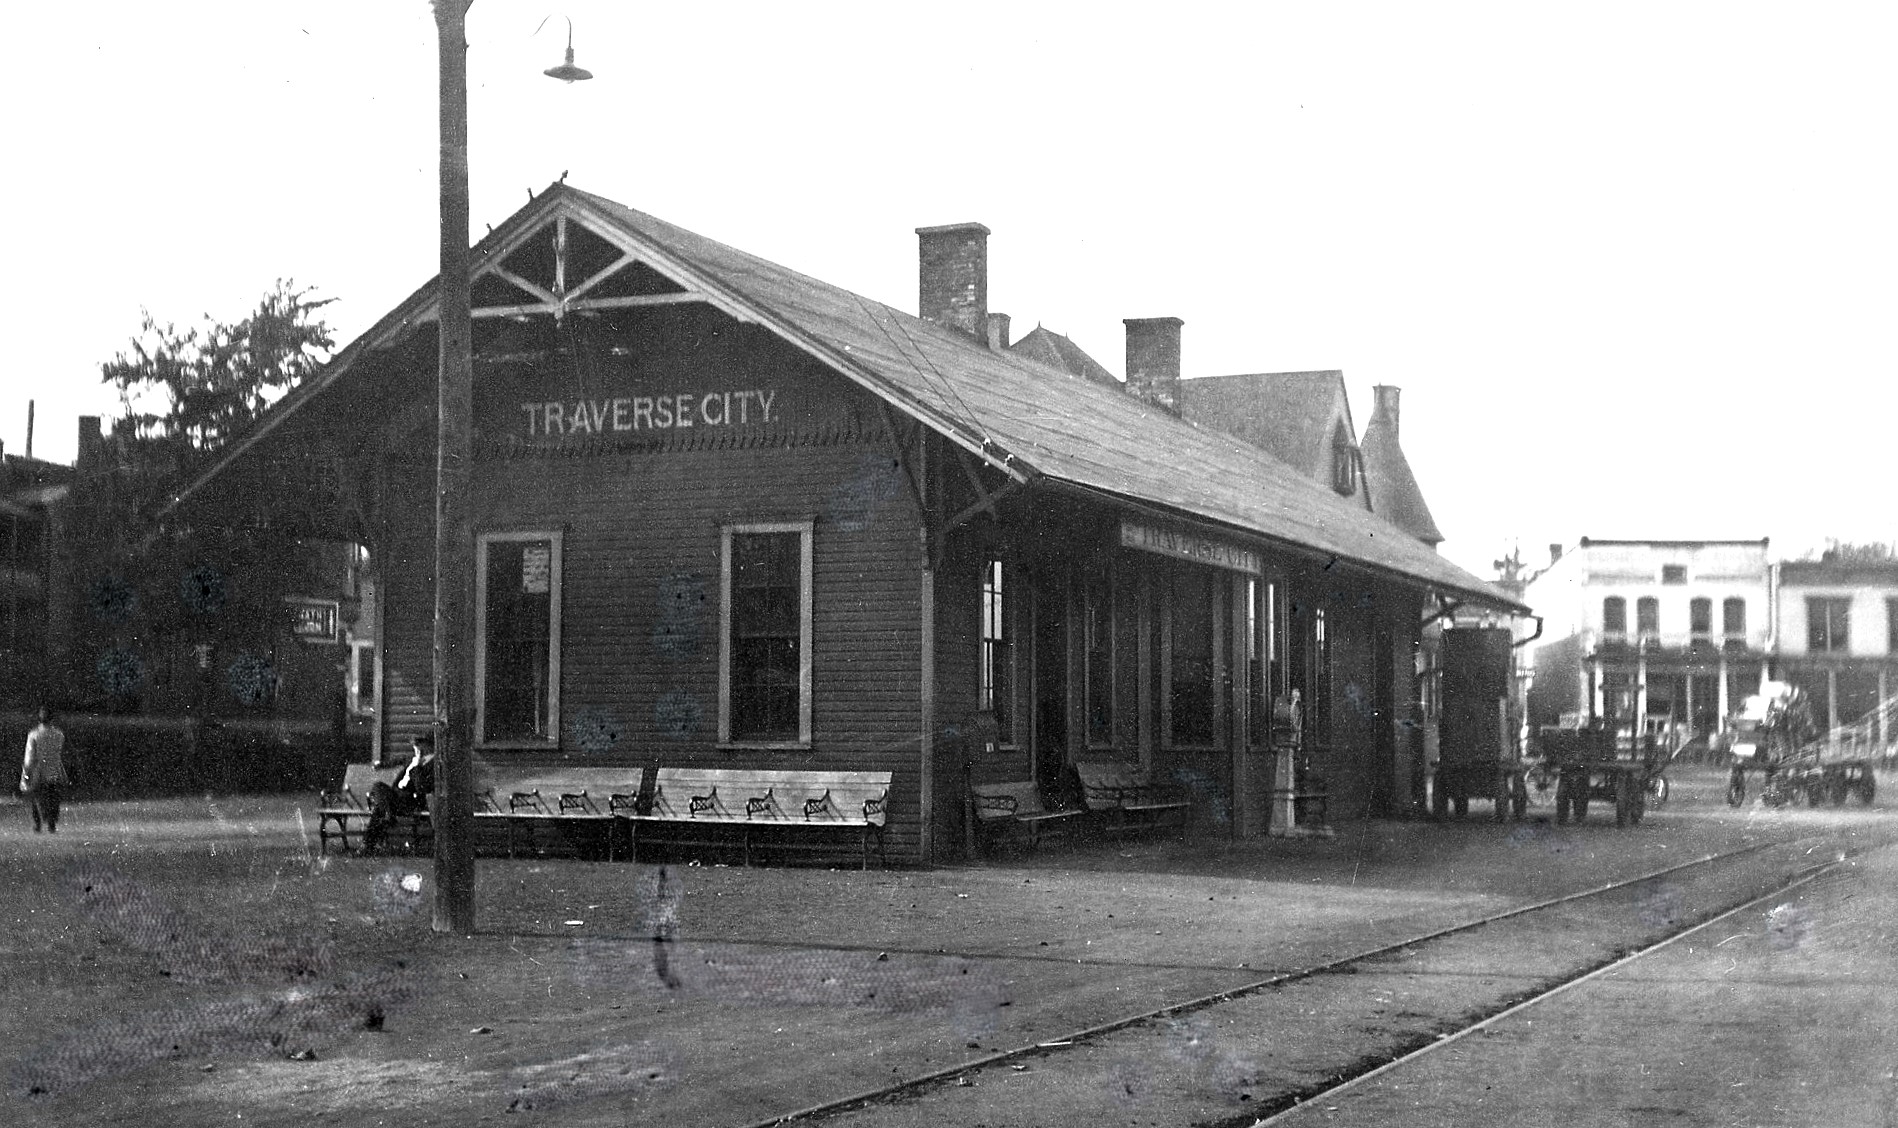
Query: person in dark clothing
{"points": [[43, 771], [407, 796]]}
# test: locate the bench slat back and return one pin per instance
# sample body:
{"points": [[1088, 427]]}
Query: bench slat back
{"points": [[757, 796], [599, 784], [1026, 796], [1103, 781]]}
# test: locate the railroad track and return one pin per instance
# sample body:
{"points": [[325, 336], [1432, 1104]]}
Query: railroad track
{"points": [[1720, 885]]}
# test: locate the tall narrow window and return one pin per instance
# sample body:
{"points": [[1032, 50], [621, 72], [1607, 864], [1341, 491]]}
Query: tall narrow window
{"points": [[1344, 462], [1700, 617], [765, 644], [1264, 655], [1614, 616], [997, 691], [1647, 616], [1733, 617], [1828, 625], [517, 630], [1192, 688], [1098, 624]]}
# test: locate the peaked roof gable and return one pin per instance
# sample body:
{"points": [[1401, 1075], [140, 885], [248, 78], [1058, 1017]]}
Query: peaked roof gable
{"points": [[1395, 494], [1023, 417], [1057, 350], [1291, 414]]}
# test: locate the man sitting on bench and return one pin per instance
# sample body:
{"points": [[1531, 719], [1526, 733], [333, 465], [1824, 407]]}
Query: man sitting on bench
{"points": [[408, 796]]}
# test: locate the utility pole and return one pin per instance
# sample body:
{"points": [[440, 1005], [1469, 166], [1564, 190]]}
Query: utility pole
{"points": [[454, 533]]}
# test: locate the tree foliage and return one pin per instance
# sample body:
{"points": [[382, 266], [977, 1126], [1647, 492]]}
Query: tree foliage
{"points": [[166, 609], [191, 391], [1847, 552]]}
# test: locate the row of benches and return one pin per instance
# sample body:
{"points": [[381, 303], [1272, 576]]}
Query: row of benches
{"points": [[752, 811], [1118, 796], [610, 809]]}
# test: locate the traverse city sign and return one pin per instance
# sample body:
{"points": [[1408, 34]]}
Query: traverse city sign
{"points": [[1183, 545], [550, 418]]}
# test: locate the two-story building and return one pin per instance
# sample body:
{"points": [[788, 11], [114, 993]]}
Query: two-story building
{"points": [[1838, 638], [1671, 631]]}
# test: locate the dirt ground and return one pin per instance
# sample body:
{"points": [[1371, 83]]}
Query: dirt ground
{"points": [[196, 961]]}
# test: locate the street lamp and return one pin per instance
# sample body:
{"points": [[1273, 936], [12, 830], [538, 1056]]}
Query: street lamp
{"points": [[454, 531]]}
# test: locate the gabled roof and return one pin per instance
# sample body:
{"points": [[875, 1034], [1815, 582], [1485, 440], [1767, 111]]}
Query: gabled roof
{"points": [[1057, 351], [1290, 414], [1028, 419], [1395, 495]]}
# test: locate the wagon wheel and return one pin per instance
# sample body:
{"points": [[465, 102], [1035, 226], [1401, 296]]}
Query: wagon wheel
{"points": [[1736, 788], [1624, 798]]}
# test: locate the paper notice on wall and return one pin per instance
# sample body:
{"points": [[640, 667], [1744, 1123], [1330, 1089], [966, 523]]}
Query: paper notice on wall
{"points": [[537, 569]]}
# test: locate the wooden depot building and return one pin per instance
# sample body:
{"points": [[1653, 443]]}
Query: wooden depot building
{"points": [[728, 515]]}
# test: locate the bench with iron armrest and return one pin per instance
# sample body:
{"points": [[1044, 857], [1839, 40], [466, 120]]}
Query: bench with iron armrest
{"points": [[766, 811], [337, 810], [584, 807], [1126, 797], [1016, 807]]}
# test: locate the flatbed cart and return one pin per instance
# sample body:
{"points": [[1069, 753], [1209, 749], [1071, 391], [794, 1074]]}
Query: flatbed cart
{"points": [[1588, 766], [1765, 735], [1811, 774]]}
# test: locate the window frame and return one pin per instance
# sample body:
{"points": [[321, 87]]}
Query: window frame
{"points": [[556, 538], [1727, 617], [1620, 603], [997, 695], [1647, 608], [1839, 643], [1098, 622], [1700, 617], [806, 531]]}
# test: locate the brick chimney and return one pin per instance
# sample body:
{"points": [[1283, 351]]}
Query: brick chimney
{"points": [[1386, 405], [954, 277], [1153, 360], [91, 444], [998, 332]]}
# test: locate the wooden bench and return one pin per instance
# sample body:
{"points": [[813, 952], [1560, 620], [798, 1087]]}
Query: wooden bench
{"points": [[1016, 806], [580, 805], [337, 810], [1126, 797], [765, 810]]}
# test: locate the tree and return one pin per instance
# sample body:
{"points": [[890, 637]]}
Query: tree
{"points": [[173, 611], [211, 382], [1846, 552]]}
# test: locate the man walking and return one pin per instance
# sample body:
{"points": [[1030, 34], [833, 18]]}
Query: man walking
{"points": [[43, 773]]}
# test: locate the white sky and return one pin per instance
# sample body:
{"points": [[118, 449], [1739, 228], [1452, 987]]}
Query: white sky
{"points": [[1631, 263]]}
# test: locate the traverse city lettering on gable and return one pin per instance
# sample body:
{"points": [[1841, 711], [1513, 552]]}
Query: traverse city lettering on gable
{"points": [[1190, 546], [738, 408]]}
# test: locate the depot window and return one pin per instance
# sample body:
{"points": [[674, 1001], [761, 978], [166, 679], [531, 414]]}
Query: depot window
{"points": [[517, 633], [996, 691], [764, 653]]}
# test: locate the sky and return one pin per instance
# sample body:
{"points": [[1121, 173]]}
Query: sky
{"points": [[1632, 264]]}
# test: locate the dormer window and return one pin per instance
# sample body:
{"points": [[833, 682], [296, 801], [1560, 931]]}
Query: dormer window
{"points": [[1344, 462]]}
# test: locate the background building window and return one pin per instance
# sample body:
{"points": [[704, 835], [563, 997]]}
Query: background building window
{"points": [[1828, 625], [1614, 616], [765, 651], [996, 693], [1700, 617], [1098, 625], [1647, 616], [517, 631], [1733, 618], [1265, 652], [1673, 573]]}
